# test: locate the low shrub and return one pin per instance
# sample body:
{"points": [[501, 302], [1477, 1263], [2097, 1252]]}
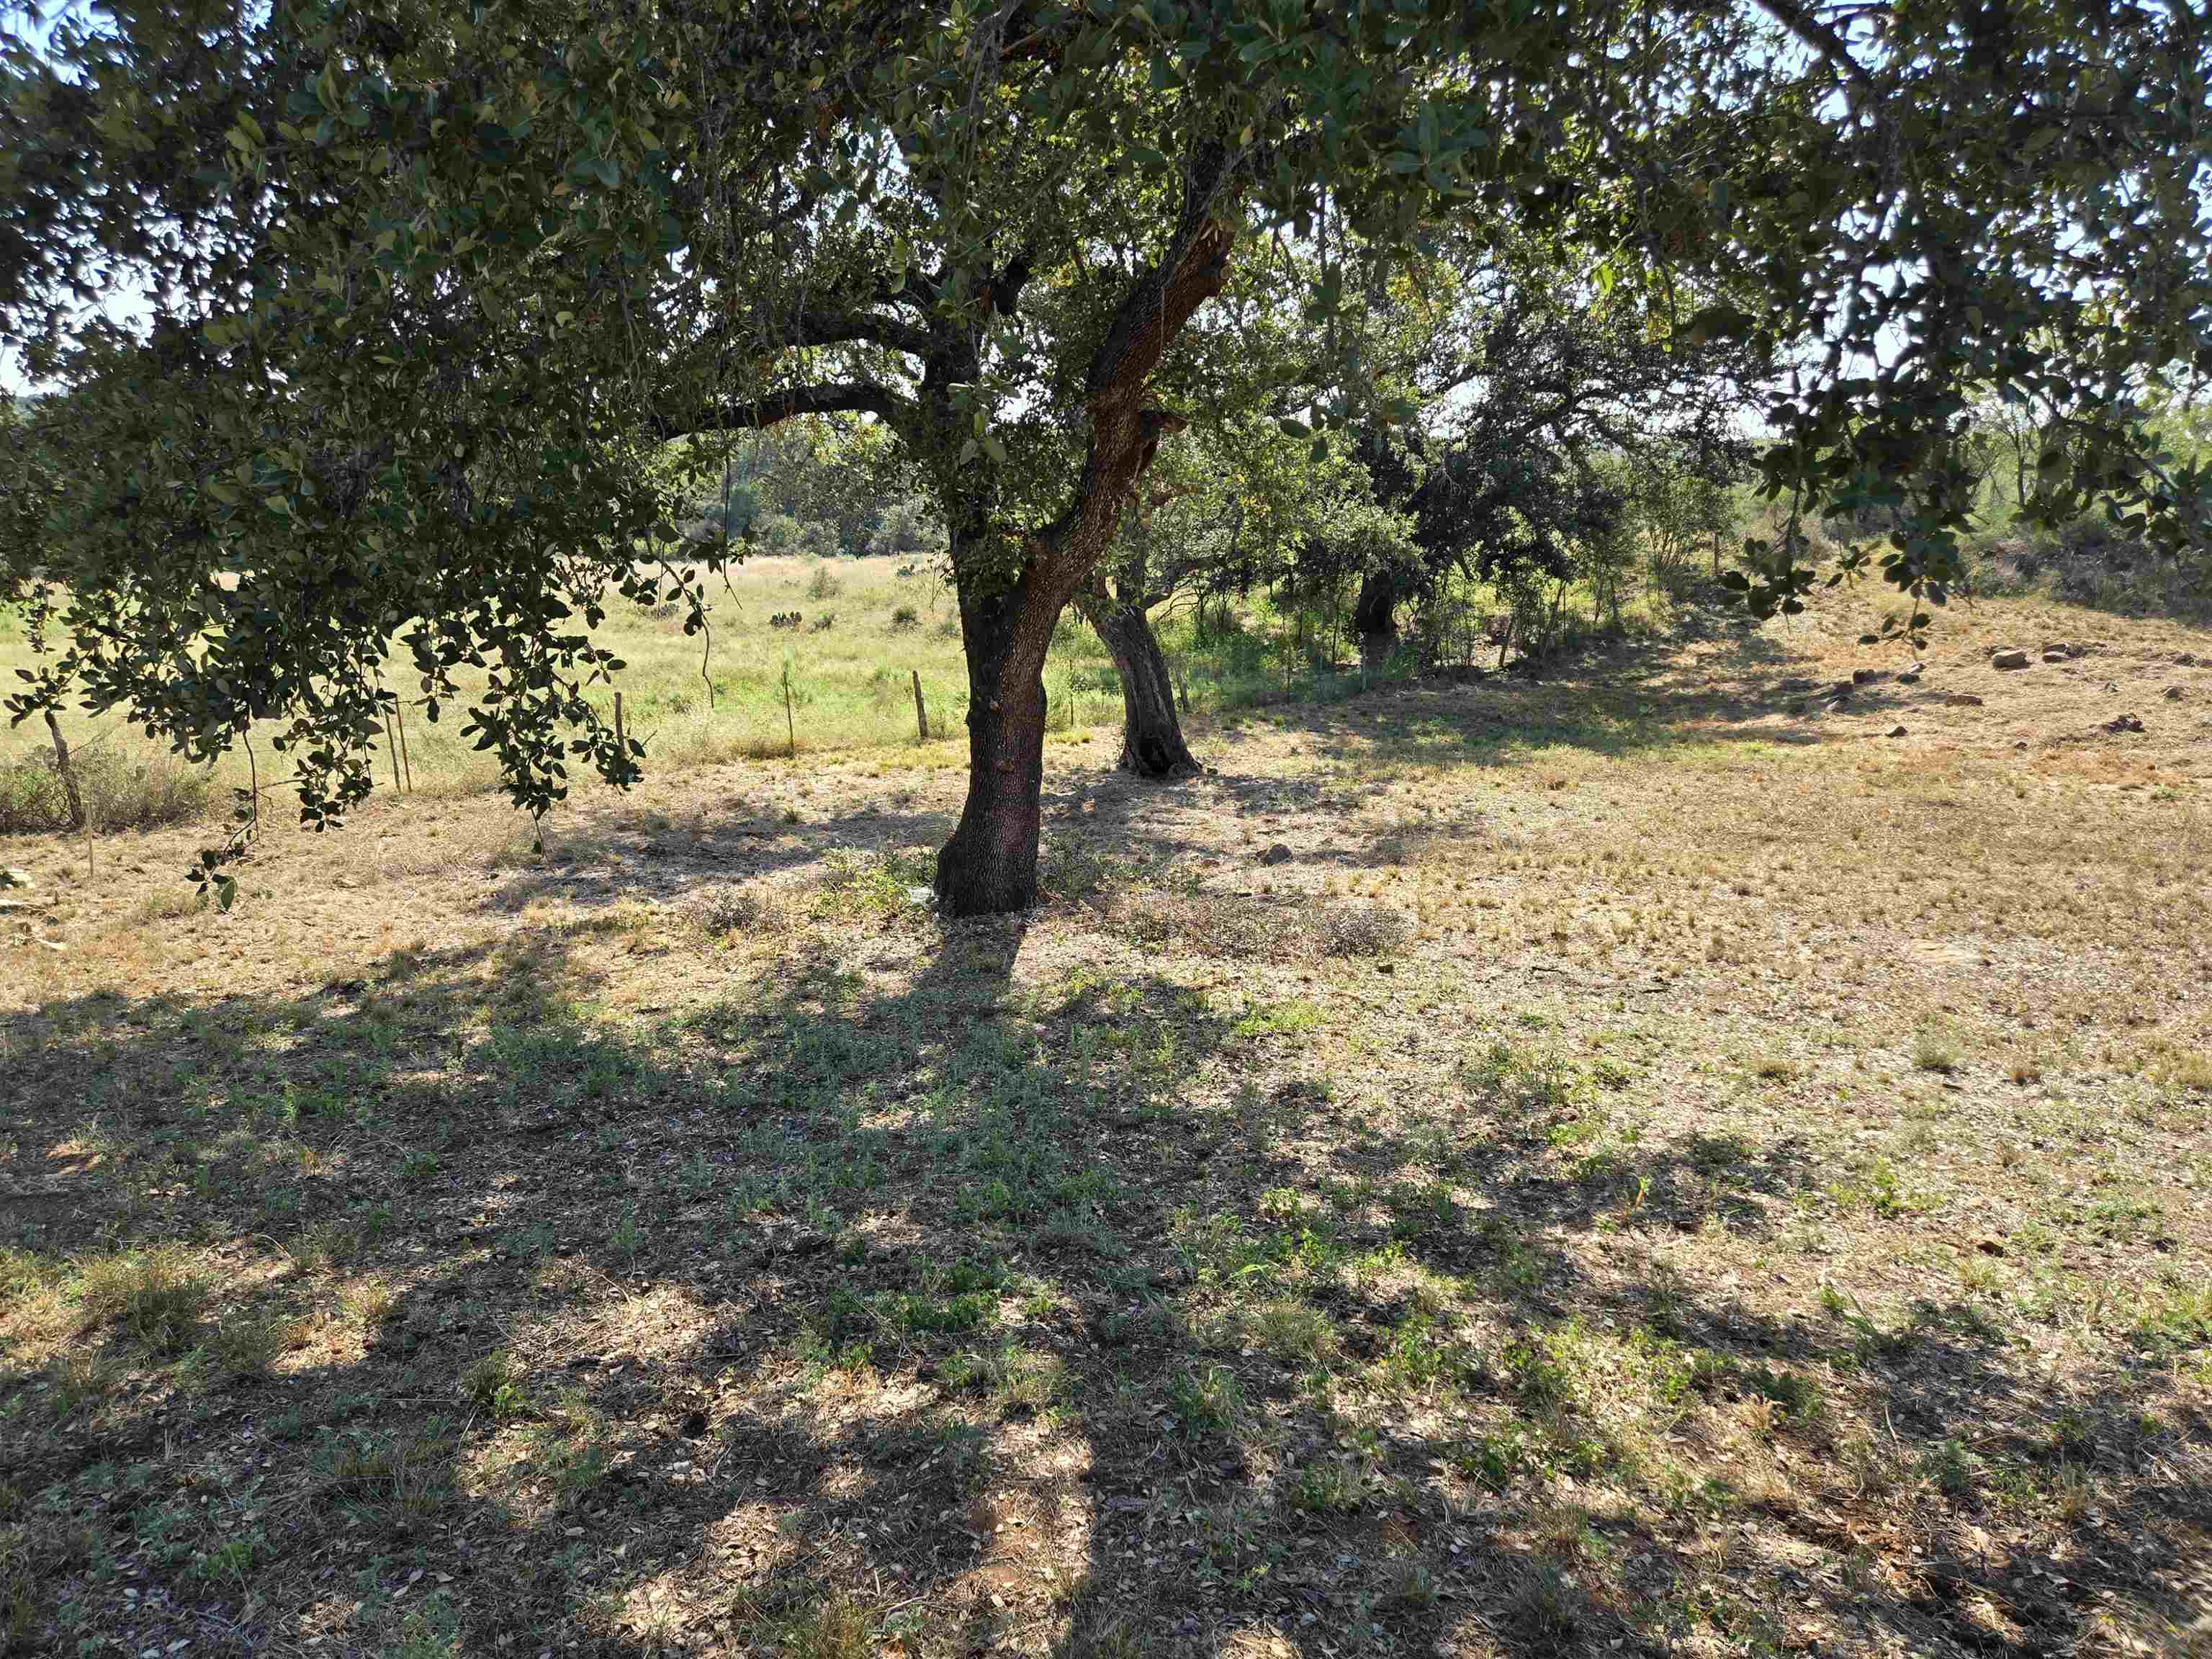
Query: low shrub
{"points": [[118, 793]]}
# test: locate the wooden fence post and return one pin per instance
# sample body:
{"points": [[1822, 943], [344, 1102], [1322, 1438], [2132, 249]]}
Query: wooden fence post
{"points": [[392, 754], [399, 719], [920, 710]]}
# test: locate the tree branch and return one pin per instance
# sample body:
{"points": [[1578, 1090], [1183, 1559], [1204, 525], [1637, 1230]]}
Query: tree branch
{"points": [[834, 398], [1824, 42], [820, 328]]}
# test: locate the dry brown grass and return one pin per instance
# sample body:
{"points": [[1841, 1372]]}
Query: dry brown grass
{"points": [[678, 1240]]}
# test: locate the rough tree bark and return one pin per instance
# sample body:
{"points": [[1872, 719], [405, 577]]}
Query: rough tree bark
{"points": [[1375, 618], [990, 864], [1152, 744]]}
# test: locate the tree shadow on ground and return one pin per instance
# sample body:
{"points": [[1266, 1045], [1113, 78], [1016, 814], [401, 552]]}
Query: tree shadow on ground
{"points": [[1619, 700], [982, 1306]]}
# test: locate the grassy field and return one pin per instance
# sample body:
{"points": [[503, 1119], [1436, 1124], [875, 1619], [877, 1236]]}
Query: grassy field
{"points": [[864, 632], [1662, 1160], [850, 680]]}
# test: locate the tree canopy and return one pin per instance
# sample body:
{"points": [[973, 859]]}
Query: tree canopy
{"points": [[420, 282]]}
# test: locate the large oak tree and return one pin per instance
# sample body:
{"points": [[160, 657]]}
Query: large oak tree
{"points": [[410, 283]]}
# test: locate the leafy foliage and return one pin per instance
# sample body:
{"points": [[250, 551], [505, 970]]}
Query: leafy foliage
{"points": [[420, 286]]}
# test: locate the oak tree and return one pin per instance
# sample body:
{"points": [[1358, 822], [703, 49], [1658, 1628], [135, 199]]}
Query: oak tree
{"points": [[408, 283]]}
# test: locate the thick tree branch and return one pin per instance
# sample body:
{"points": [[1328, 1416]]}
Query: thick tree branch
{"points": [[1125, 433], [820, 328], [833, 397], [1824, 41]]}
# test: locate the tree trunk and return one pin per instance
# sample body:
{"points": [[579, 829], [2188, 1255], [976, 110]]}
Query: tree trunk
{"points": [[1151, 736], [990, 864], [1375, 618], [68, 773]]}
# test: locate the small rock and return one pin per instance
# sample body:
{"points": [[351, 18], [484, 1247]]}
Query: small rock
{"points": [[1909, 677], [1840, 689], [2008, 659], [2054, 656], [2057, 650], [2124, 723], [1896, 731], [1866, 676], [1278, 854], [2174, 694], [15, 879], [1962, 700], [2185, 660]]}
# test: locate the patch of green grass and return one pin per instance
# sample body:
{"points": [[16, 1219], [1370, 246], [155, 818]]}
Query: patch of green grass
{"points": [[247, 1344], [1536, 1081], [497, 1385], [156, 1296], [833, 1627], [1493, 1458], [1292, 1332], [1951, 1468], [571, 1445], [403, 1479], [1876, 1187], [1329, 1487], [1203, 1404], [1278, 1020], [878, 885], [1936, 1048], [1018, 1378]]}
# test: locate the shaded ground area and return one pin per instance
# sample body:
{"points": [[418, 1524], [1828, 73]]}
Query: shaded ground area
{"points": [[1629, 1180]]}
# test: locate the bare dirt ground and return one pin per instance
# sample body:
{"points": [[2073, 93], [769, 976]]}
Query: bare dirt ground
{"points": [[1649, 1160]]}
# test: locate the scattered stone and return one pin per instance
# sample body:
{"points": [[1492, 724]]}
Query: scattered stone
{"points": [[2124, 723], [2054, 656], [2054, 650], [1896, 731], [15, 879], [2185, 660], [1910, 677], [2008, 659], [1840, 689], [1962, 700], [1278, 854], [1867, 675]]}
